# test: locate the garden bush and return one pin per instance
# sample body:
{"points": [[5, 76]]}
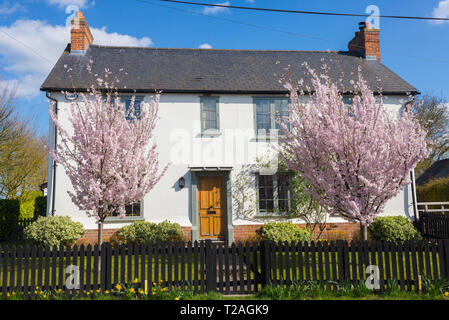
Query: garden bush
{"points": [[53, 231], [284, 231], [393, 228], [149, 232]]}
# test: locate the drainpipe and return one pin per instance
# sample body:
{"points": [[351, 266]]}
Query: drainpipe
{"points": [[415, 204], [412, 172], [53, 185]]}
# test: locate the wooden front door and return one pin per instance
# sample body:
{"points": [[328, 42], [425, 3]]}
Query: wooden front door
{"points": [[211, 207]]}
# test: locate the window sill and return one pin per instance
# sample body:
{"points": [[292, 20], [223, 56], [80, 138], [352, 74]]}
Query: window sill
{"points": [[267, 215], [268, 138], [123, 220], [212, 133]]}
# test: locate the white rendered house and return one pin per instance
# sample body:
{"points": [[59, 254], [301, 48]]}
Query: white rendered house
{"points": [[215, 106]]}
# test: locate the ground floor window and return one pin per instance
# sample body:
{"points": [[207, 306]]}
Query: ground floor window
{"points": [[274, 193], [131, 210]]}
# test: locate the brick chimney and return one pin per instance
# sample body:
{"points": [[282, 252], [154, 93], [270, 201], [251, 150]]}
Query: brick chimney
{"points": [[366, 42], [80, 34]]}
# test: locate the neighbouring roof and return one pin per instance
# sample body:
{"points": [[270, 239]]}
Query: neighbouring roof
{"points": [[440, 169], [214, 70]]}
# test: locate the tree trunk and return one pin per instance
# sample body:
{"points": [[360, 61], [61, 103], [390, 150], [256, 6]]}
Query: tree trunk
{"points": [[100, 233], [364, 232]]}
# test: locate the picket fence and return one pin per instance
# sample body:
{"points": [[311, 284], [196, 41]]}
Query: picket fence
{"points": [[240, 268]]}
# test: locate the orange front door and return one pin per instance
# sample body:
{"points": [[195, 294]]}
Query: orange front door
{"points": [[211, 207]]}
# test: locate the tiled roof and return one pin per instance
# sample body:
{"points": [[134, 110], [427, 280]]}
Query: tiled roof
{"points": [[214, 70]]}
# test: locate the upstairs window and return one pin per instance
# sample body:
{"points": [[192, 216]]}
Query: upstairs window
{"points": [[209, 114], [268, 111], [136, 113]]}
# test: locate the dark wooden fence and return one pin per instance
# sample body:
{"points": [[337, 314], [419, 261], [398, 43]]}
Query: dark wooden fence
{"points": [[236, 269], [12, 228], [433, 226]]}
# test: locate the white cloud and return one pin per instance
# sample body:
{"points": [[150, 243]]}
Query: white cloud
{"points": [[64, 3], [442, 11], [215, 10], [7, 8], [205, 46], [34, 46]]}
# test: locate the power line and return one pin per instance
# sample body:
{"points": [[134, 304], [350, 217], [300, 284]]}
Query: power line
{"points": [[304, 12], [280, 30], [26, 46]]}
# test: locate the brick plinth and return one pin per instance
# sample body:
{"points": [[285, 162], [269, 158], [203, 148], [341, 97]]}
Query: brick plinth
{"points": [[333, 231]]}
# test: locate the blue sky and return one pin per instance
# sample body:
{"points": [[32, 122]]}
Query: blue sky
{"points": [[33, 35]]}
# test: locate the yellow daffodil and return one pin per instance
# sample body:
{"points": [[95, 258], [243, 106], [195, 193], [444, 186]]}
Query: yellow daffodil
{"points": [[176, 298], [141, 291], [98, 290], [35, 292], [446, 294], [132, 290], [41, 292], [160, 281], [7, 294], [164, 289], [118, 287], [106, 292], [44, 296], [59, 290], [154, 283], [87, 293], [136, 280], [37, 288], [154, 293]]}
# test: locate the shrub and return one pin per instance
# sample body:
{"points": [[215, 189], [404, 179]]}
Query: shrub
{"points": [[393, 228], [53, 231], [283, 231], [436, 190], [149, 232]]}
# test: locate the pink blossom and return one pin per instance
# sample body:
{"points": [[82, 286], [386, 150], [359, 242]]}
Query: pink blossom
{"points": [[355, 158]]}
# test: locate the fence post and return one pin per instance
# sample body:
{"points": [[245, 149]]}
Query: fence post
{"points": [[211, 267], [341, 261], [265, 258], [444, 260]]}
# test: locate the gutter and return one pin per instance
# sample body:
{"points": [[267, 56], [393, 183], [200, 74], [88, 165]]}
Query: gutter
{"points": [[53, 185], [208, 91]]}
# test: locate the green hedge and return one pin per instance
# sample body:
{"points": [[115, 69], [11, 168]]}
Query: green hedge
{"points": [[28, 205], [40, 206], [436, 190], [9, 209]]}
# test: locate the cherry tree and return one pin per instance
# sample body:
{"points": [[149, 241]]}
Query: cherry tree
{"points": [[354, 156], [108, 153]]}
